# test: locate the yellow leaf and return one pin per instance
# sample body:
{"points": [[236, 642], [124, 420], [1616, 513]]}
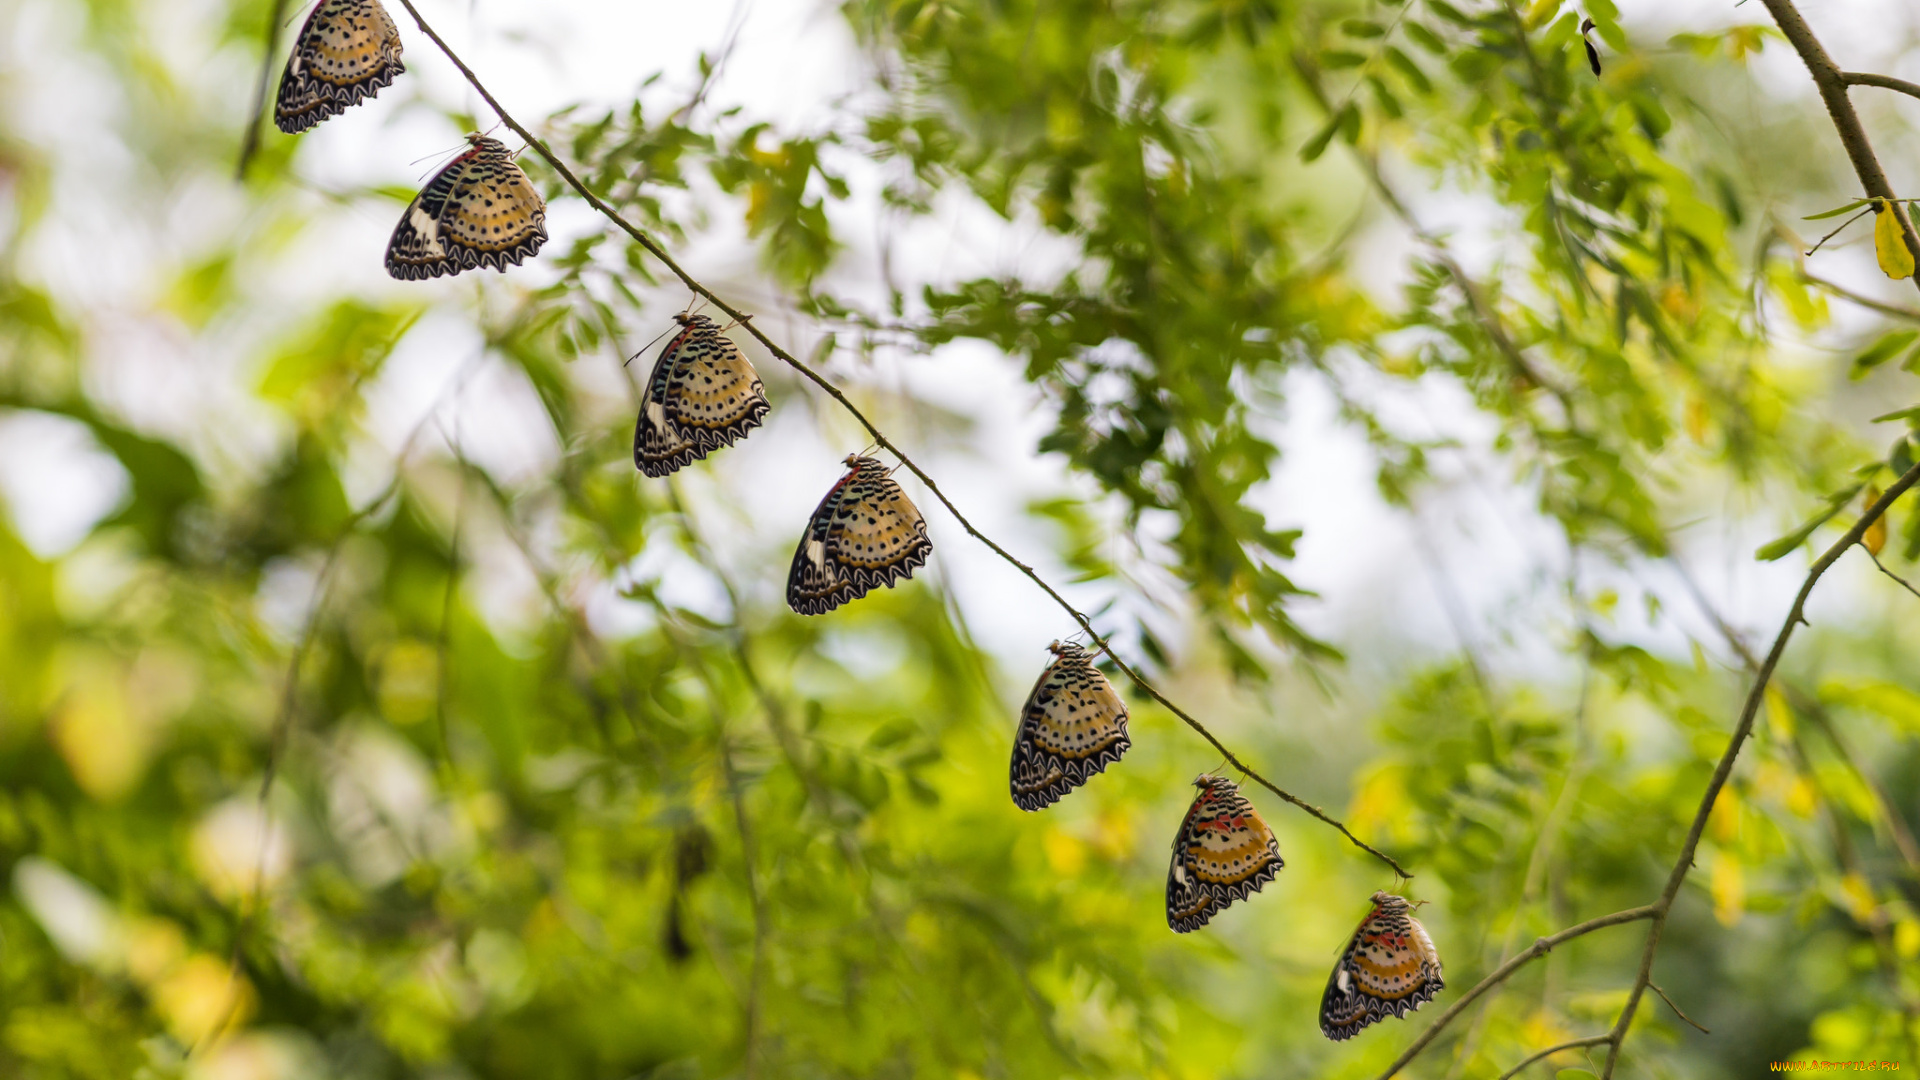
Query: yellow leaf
{"points": [[1724, 819], [1728, 884], [1889, 242], [1779, 715], [1697, 419], [1875, 537], [1066, 853], [1859, 896], [1906, 939]]}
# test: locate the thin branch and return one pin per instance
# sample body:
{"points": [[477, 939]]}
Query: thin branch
{"points": [[1655, 987], [250, 142], [757, 970], [1684, 863], [1884, 82], [1539, 948], [1883, 569], [1591, 1040], [1846, 122], [1810, 705], [1868, 302], [653, 247]]}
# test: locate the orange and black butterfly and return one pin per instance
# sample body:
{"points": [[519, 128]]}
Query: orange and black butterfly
{"points": [[346, 52], [703, 395], [480, 210], [1073, 726], [1390, 968], [1223, 852], [866, 533]]}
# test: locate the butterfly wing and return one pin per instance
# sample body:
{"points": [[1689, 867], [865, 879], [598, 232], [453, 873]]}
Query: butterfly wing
{"points": [[346, 52], [1224, 852], [703, 395], [865, 533], [481, 210], [1389, 968], [1073, 726]]}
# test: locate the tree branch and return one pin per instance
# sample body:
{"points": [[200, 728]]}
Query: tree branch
{"points": [[1885, 82], [1539, 948], [1591, 1040], [1655, 987], [250, 142], [1684, 863], [1868, 302], [653, 247], [1846, 122]]}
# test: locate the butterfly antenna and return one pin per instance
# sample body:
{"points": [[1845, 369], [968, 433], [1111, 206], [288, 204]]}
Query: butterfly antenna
{"points": [[648, 345]]}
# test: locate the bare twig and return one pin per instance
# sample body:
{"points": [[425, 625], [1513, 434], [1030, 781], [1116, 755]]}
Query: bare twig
{"points": [[1744, 728], [1883, 569], [757, 971], [1884, 82], [250, 142], [1591, 1040], [1655, 987], [1539, 948], [653, 247], [1868, 302]]}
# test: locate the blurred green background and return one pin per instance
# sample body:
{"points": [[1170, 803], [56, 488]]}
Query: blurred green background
{"points": [[1406, 401]]}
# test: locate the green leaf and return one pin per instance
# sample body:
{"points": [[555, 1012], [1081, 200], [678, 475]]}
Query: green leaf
{"points": [[1881, 351], [1788, 543], [1317, 145], [1837, 211]]}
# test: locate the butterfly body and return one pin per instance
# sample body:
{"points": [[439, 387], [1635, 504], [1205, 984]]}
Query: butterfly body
{"points": [[1389, 968], [702, 395], [865, 533], [480, 210], [346, 52], [1223, 852], [1073, 726]]}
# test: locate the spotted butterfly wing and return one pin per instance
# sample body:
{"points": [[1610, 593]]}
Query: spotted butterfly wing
{"points": [[480, 210], [1390, 968], [347, 51], [864, 534], [1224, 852], [702, 395], [1072, 726]]}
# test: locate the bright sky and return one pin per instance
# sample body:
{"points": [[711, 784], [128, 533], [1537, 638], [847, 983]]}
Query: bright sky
{"points": [[1378, 571]]}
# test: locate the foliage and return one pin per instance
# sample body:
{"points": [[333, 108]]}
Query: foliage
{"points": [[331, 752]]}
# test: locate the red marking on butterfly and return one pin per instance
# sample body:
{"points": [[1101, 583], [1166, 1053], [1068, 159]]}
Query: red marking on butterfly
{"points": [[1223, 852], [480, 210], [1389, 968], [1073, 726], [864, 534]]}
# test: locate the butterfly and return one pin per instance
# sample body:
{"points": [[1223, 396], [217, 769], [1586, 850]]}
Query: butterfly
{"points": [[1390, 966], [865, 533], [478, 211], [1222, 853], [702, 395], [346, 52], [1072, 726]]}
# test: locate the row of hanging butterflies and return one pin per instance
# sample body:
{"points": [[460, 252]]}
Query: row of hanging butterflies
{"points": [[703, 395]]}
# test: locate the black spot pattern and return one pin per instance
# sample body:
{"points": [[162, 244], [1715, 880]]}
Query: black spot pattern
{"points": [[705, 395], [1072, 727], [346, 52], [483, 210], [869, 534], [1204, 879], [1391, 968]]}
